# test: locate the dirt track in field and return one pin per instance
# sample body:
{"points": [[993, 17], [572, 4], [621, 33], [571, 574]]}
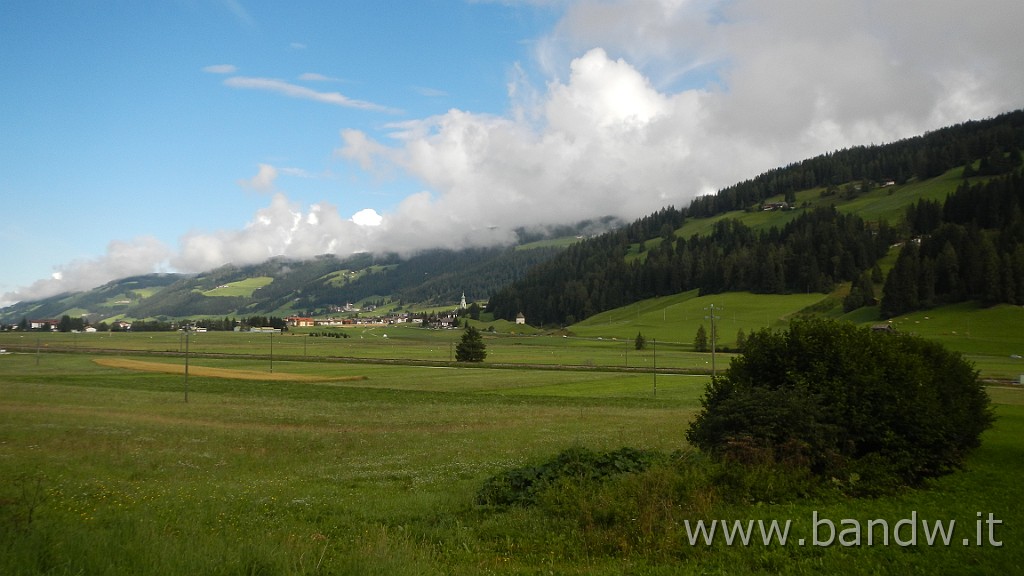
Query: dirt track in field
{"points": [[208, 371]]}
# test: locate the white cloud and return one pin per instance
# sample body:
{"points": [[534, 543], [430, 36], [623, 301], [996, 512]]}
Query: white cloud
{"points": [[609, 143], [804, 75], [280, 229], [429, 92], [316, 77], [296, 91], [141, 255], [301, 173], [263, 181], [240, 12], [367, 217], [221, 69]]}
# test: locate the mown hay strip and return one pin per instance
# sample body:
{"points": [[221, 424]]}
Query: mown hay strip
{"points": [[211, 372]]}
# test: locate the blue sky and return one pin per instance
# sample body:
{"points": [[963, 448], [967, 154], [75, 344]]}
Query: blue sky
{"points": [[186, 134]]}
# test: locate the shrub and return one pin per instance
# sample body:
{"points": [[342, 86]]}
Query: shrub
{"points": [[521, 486], [871, 411]]}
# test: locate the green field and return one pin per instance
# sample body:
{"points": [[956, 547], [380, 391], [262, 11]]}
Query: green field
{"points": [[675, 319], [110, 471], [243, 288], [363, 454], [990, 337]]}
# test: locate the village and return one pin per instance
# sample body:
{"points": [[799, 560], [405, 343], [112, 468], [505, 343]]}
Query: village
{"points": [[436, 320], [345, 316]]}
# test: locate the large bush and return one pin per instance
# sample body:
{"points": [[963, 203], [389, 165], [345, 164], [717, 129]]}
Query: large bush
{"points": [[870, 410]]}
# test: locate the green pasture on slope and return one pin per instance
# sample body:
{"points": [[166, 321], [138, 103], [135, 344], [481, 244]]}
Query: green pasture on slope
{"points": [[992, 338], [882, 203], [243, 288], [676, 318]]}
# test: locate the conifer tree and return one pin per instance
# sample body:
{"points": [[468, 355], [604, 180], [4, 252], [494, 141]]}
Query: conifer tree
{"points": [[700, 342], [471, 348]]}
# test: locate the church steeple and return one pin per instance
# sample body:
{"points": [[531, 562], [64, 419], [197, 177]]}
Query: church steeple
{"points": [[462, 303]]}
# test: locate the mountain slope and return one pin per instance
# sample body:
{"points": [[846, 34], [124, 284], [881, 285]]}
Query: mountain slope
{"points": [[813, 247], [283, 287], [110, 299]]}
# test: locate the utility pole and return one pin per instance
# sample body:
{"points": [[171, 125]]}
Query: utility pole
{"points": [[655, 367], [186, 364], [714, 335]]}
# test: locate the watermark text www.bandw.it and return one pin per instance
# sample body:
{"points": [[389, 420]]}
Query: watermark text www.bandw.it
{"points": [[904, 532]]}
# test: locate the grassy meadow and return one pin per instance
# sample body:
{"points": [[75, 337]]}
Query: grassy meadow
{"points": [[370, 466], [883, 203]]}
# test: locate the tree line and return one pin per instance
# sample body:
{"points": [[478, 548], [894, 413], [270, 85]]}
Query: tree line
{"points": [[69, 323], [971, 247], [812, 253], [923, 157]]}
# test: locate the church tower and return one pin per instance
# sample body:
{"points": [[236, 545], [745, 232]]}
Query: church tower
{"points": [[462, 303]]}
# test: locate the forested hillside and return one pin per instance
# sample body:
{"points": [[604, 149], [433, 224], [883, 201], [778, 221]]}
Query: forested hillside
{"points": [[920, 157], [436, 276], [815, 251], [312, 287], [811, 254], [969, 248]]}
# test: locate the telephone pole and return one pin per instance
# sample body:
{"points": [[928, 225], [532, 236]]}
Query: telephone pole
{"points": [[187, 330], [714, 335], [655, 371]]}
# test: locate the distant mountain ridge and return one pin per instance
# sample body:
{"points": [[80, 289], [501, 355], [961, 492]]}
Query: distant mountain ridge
{"points": [[732, 240], [282, 286]]}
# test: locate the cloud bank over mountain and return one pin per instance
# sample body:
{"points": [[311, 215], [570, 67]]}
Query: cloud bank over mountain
{"points": [[627, 107]]}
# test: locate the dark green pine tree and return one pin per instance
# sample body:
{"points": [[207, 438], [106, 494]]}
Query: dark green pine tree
{"points": [[640, 343], [862, 293], [741, 340], [471, 348], [700, 342], [900, 293]]}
